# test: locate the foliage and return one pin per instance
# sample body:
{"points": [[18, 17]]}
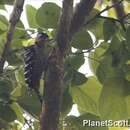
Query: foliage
{"points": [[105, 95]]}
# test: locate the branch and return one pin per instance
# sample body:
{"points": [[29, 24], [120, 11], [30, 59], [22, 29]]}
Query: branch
{"points": [[80, 15], [119, 9], [64, 26], [53, 86], [110, 18], [98, 15], [15, 16], [120, 13], [112, 6]]}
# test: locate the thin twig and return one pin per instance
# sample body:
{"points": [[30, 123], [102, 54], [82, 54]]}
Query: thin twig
{"points": [[120, 12], [119, 9], [98, 15], [64, 26], [110, 18], [14, 18]]}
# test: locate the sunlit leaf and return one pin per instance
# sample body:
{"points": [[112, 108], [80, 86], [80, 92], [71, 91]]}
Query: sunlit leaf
{"points": [[83, 101], [31, 13], [18, 111], [112, 103], [47, 15]]}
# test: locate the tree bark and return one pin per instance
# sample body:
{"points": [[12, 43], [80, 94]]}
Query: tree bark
{"points": [[80, 15], [69, 24], [52, 92], [14, 18], [53, 87], [120, 12], [119, 9]]}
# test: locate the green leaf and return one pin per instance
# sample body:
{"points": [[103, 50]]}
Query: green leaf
{"points": [[14, 58], [109, 29], [3, 24], [128, 37], [82, 40], [5, 97], [4, 19], [20, 34], [47, 15], [92, 14], [112, 104], [5, 89], [17, 44], [2, 7], [95, 57], [2, 41], [105, 70], [20, 30], [109, 67], [115, 44], [96, 27], [19, 75], [128, 104], [86, 103], [128, 0], [113, 62], [31, 104], [4, 124], [67, 103], [74, 61], [127, 76], [36, 125], [31, 13], [5, 86], [92, 88], [28, 42], [20, 89], [78, 78], [6, 113], [8, 2], [18, 111], [17, 92]]}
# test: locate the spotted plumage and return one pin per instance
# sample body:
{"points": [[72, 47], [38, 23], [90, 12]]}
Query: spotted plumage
{"points": [[35, 62]]}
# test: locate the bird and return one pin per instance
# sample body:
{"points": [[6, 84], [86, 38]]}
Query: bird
{"points": [[35, 62]]}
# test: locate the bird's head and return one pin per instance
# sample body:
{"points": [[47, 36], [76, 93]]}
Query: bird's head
{"points": [[41, 38]]}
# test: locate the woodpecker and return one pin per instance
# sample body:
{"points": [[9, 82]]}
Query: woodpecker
{"points": [[35, 62]]}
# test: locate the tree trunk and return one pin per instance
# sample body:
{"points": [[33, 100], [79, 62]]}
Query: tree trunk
{"points": [[53, 92], [70, 23]]}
